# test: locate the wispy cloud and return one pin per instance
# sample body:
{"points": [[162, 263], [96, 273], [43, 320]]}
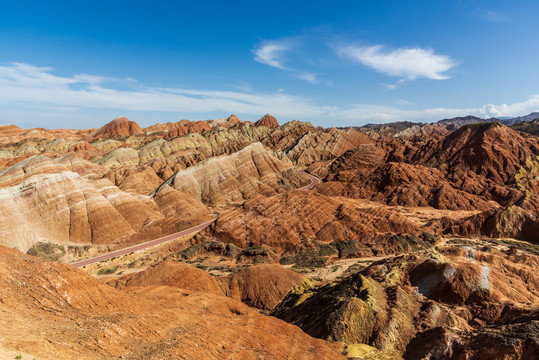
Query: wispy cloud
{"points": [[393, 86], [275, 52], [270, 53], [24, 84], [309, 77], [242, 85], [409, 63], [493, 16], [28, 91]]}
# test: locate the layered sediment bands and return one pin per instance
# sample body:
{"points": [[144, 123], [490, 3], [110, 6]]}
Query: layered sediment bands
{"points": [[139, 179], [233, 178], [65, 208], [79, 317], [86, 169], [299, 217], [491, 150], [226, 122], [34, 165], [10, 130], [72, 201], [180, 128], [408, 304], [404, 129], [121, 126], [268, 121], [510, 222], [480, 166], [120, 157], [320, 145], [179, 208], [285, 136], [406, 185]]}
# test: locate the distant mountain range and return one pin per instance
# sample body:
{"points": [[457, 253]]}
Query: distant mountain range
{"points": [[457, 122], [465, 120]]}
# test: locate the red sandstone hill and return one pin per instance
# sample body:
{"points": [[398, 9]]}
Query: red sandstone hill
{"points": [[472, 168], [171, 273], [68, 314], [121, 126], [380, 197], [10, 130], [260, 286], [491, 150], [268, 121]]}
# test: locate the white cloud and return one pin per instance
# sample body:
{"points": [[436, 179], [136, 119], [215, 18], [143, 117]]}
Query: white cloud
{"points": [[410, 63], [373, 113], [363, 113], [394, 85], [25, 84], [28, 92], [515, 109], [270, 53], [311, 78]]}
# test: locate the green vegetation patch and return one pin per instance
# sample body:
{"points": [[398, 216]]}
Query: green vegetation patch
{"points": [[47, 250], [310, 259], [215, 247], [107, 270]]}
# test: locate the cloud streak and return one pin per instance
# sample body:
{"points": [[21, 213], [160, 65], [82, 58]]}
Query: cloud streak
{"points": [[270, 53], [311, 78], [409, 63], [23, 84], [27, 90]]}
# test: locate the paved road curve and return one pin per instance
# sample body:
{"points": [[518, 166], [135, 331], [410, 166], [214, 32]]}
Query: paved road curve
{"points": [[314, 181], [142, 246]]}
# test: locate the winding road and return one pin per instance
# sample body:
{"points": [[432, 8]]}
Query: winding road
{"points": [[145, 245], [314, 180]]}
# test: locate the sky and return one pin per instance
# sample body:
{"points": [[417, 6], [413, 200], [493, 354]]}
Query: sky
{"points": [[79, 64]]}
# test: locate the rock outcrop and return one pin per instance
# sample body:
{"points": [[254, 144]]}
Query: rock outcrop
{"points": [[408, 304], [260, 286], [121, 126], [268, 121]]}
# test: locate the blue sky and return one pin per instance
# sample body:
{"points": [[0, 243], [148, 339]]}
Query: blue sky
{"points": [[81, 63]]}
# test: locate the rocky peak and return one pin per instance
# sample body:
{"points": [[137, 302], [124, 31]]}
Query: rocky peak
{"points": [[233, 120], [268, 121], [120, 126]]}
